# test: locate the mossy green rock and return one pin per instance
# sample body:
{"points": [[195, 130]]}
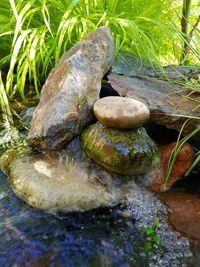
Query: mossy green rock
{"points": [[128, 152]]}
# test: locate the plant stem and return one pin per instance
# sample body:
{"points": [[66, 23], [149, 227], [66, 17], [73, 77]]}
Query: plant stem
{"points": [[184, 28]]}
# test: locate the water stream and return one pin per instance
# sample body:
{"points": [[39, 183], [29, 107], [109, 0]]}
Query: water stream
{"points": [[102, 237]]}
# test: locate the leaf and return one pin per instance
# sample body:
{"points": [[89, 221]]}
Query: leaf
{"points": [[7, 115]]}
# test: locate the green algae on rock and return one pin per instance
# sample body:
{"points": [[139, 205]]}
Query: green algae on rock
{"points": [[129, 152]]}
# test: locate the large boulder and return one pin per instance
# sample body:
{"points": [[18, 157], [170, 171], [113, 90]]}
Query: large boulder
{"points": [[70, 91], [129, 152], [169, 105], [63, 181]]}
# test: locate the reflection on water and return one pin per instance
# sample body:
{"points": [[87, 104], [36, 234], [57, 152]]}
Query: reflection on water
{"points": [[103, 237], [33, 238]]}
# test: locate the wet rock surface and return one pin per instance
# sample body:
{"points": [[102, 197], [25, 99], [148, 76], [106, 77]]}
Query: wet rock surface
{"points": [[63, 181], [30, 237], [181, 165], [128, 152], [168, 104], [144, 207], [121, 112], [184, 213], [70, 91]]}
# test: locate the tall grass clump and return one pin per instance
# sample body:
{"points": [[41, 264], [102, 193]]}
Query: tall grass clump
{"points": [[9, 135], [36, 33], [4, 105]]}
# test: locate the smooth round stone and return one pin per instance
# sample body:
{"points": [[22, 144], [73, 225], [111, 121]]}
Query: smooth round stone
{"points": [[121, 112], [128, 152]]}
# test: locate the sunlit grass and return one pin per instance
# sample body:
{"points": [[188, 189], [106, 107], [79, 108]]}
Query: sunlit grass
{"points": [[37, 33], [9, 135], [4, 105]]}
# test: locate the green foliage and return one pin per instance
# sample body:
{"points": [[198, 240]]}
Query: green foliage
{"points": [[9, 138], [35, 33], [152, 241], [9, 135], [4, 104]]}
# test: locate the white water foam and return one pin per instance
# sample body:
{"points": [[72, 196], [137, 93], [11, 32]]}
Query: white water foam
{"points": [[145, 207]]}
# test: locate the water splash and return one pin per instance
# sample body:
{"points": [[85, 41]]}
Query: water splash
{"points": [[145, 207]]}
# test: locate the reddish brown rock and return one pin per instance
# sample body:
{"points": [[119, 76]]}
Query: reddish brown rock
{"points": [[184, 212], [181, 166], [121, 112]]}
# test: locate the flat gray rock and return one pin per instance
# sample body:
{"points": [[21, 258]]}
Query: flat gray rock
{"points": [[130, 65], [70, 91]]}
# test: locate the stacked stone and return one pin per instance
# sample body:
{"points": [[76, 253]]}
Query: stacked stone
{"points": [[121, 112], [118, 142]]}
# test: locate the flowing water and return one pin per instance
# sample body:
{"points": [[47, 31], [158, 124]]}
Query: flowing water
{"points": [[102, 237], [30, 237]]}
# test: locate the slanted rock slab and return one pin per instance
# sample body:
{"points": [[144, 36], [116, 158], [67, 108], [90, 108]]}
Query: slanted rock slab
{"points": [[70, 91], [121, 112], [130, 65]]}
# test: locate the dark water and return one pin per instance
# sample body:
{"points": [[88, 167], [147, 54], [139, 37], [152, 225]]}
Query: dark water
{"points": [[102, 237], [30, 237]]}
